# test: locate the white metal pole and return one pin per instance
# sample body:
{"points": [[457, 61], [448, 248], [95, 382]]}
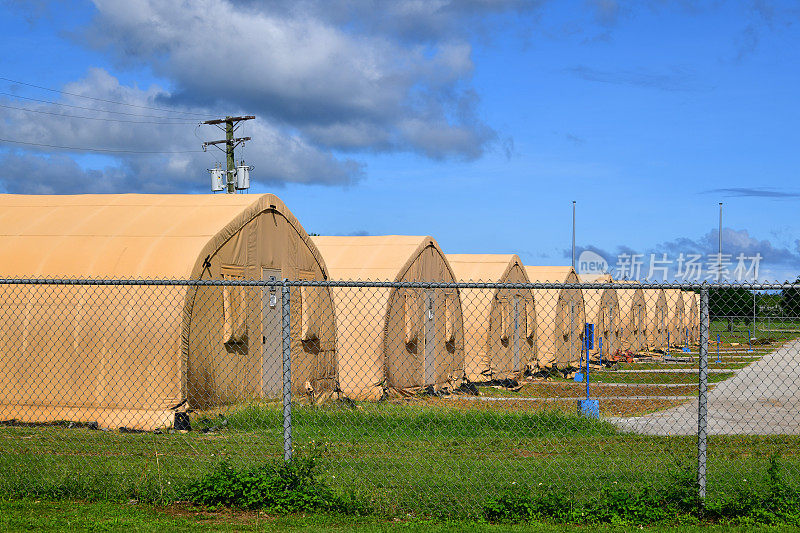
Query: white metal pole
{"points": [[719, 257], [573, 233]]}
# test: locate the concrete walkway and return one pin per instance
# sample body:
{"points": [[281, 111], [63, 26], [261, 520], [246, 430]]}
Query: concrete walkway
{"points": [[761, 399]]}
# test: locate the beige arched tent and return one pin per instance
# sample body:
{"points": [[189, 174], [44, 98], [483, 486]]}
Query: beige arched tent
{"points": [[691, 316], [656, 306], [124, 355], [602, 310], [560, 317], [394, 338], [675, 313], [499, 324], [633, 313]]}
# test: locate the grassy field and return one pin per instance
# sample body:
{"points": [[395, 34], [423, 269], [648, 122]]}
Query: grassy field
{"points": [[410, 458], [780, 330], [427, 460], [29, 515]]}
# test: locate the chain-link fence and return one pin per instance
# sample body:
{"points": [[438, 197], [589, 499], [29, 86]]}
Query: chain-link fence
{"points": [[417, 396]]}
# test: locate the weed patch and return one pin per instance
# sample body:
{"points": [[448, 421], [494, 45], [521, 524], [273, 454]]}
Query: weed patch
{"points": [[678, 502], [280, 488]]}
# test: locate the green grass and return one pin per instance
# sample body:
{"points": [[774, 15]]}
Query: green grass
{"points": [[29, 515], [654, 378], [712, 364], [428, 461], [780, 331]]}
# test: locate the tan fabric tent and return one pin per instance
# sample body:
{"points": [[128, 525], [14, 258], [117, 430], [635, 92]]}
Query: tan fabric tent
{"points": [[656, 305], [500, 324], [602, 310], [633, 312], [560, 317], [691, 316], [675, 313], [394, 338], [123, 355]]}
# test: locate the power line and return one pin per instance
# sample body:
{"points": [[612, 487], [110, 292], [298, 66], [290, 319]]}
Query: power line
{"points": [[96, 118], [105, 150], [82, 107], [101, 99]]}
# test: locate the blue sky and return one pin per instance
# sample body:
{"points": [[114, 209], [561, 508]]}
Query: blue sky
{"points": [[477, 122]]}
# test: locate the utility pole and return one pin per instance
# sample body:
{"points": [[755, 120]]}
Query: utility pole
{"points": [[230, 143]]}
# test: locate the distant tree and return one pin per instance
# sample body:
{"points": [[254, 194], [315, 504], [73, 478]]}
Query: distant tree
{"points": [[790, 301], [732, 303]]}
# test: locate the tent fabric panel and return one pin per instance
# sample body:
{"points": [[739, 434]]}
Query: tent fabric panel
{"points": [[489, 316], [405, 363], [119, 367], [137, 339], [371, 323], [559, 316], [633, 313], [222, 371], [656, 302], [602, 310], [675, 310], [152, 236]]}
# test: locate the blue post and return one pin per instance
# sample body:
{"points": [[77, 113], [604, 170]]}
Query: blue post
{"points": [[749, 342], [587, 374], [667, 344], [588, 407], [686, 345], [718, 359]]}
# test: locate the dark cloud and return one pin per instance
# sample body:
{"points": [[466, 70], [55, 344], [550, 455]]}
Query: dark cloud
{"points": [[346, 75], [759, 192], [324, 77], [279, 156], [674, 80]]}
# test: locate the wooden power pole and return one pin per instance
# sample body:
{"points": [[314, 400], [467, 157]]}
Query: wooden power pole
{"points": [[230, 143]]}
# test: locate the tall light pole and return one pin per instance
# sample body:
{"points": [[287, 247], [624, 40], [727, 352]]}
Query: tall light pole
{"points": [[573, 234], [719, 256]]}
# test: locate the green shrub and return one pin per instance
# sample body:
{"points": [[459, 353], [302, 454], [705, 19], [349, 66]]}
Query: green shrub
{"points": [[285, 487], [778, 503]]}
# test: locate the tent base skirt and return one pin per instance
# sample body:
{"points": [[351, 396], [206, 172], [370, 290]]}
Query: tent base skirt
{"points": [[107, 418]]}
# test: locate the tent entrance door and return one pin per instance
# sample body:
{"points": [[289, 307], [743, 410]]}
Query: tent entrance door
{"points": [[271, 340], [430, 339]]}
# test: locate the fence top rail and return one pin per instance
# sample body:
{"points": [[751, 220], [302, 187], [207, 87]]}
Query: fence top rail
{"points": [[398, 284]]}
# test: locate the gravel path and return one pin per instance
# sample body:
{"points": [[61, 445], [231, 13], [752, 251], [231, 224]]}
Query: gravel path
{"points": [[761, 399]]}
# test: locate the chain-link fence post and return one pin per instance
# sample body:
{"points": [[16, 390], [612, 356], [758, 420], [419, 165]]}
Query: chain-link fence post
{"points": [[287, 371], [702, 405]]}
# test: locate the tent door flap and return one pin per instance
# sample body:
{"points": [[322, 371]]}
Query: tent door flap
{"points": [[271, 340], [430, 339]]}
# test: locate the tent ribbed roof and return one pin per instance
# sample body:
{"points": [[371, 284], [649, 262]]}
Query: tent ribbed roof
{"points": [[550, 274], [123, 235], [593, 298], [482, 267], [375, 258], [595, 278]]}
